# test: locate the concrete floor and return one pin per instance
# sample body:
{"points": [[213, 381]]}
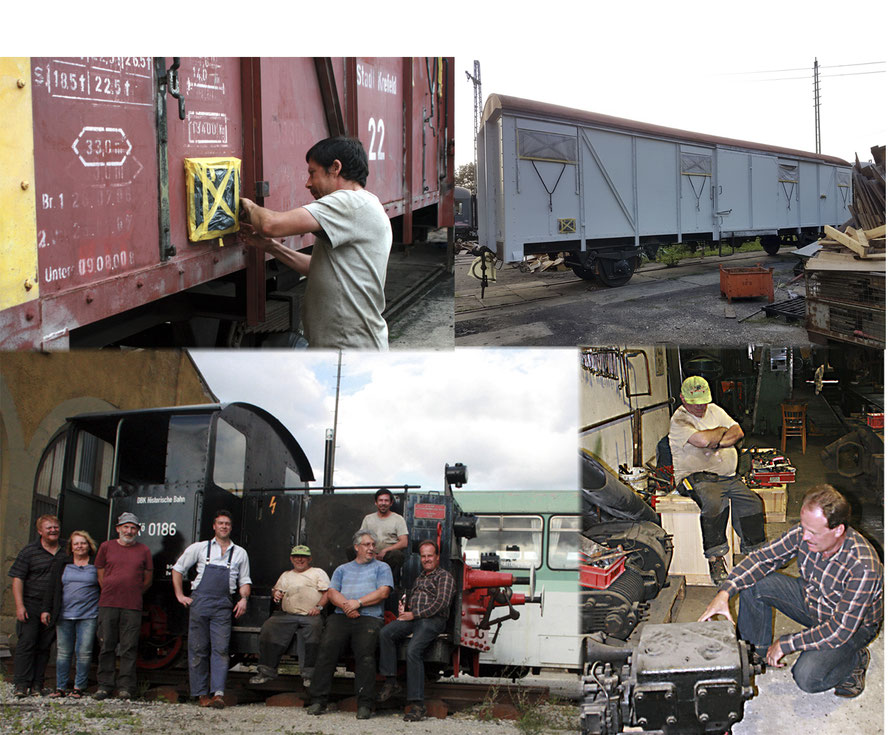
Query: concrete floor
{"points": [[779, 706], [681, 305]]}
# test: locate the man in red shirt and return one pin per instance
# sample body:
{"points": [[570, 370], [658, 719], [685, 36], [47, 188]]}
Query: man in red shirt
{"points": [[124, 568]]}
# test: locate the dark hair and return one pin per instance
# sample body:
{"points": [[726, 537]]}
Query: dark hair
{"points": [[833, 505], [385, 491], [349, 151], [222, 512]]}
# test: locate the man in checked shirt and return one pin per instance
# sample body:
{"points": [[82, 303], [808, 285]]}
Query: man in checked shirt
{"points": [[839, 596], [425, 616]]}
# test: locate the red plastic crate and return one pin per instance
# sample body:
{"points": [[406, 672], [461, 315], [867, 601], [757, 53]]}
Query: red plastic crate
{"points": [[773, 478], [598, 578], [875, 420]]}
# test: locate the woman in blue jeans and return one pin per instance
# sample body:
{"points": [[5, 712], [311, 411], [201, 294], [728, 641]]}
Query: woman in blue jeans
{"points": [[72, 605]]}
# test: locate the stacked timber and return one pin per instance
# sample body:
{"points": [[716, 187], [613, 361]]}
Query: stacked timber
{"points": [[869, 207], [846, 294]]}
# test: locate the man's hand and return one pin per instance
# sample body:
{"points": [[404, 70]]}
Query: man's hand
{"points": [[183, 600], [350, 606], [353, 614], [248, 236], [407, 615], [382, 552], [277, 595], [314, 611], [246, 206], [44, 618], [240, 607], [20, 613], [774, 655], [718, 606]]}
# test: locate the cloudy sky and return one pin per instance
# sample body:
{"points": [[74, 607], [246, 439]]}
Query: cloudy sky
{"points": [[511, 416], [740, 70]]}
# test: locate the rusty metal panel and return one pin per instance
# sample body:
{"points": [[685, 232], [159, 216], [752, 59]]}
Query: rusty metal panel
{"points": [[426, 139], [212, 127], [96, 168]]}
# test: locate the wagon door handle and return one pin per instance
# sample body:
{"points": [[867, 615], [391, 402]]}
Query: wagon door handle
{"points": [[173, 86]]}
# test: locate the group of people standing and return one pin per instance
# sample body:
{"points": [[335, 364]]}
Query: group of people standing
{"points": [[71, 595]]}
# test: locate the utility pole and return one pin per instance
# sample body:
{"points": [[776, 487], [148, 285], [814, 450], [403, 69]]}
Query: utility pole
{"points": [[817, 104], [331, 434], [476, 79]]}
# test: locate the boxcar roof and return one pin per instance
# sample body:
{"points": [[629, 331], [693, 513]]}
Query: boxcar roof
{"points": [[498, 103]]}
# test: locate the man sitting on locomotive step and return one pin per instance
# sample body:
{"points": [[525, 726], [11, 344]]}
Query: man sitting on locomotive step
{"points": [[702, 439], [344, 301], [839, 596], [425, 616], [124, 570], [391, 532], [302, 593], [358, 589], [222, 568]]}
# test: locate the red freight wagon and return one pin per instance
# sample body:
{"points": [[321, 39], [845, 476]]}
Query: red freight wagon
{"points": [[96, 246]]}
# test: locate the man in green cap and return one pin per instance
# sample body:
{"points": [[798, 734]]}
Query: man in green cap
{"points": [[703, 439], [302, 594]]}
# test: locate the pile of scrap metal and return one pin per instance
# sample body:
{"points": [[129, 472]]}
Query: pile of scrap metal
{"points": [[846, 279], [664, 678]]}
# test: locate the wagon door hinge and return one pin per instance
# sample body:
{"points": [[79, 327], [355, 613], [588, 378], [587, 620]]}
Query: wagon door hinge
{"points": [[166, 248], [173, 86]]}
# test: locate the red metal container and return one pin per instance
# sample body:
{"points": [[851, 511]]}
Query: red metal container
{"points": [[770, 479], [112, 252], [875, 420], [746, 282], [599, 579]]}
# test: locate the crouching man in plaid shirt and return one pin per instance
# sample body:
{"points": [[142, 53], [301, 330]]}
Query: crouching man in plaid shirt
{"points": [[839, 596], [425, 616]]}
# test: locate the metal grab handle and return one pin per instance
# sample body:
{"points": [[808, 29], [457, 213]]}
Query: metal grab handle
{"points": [[173, 86]]}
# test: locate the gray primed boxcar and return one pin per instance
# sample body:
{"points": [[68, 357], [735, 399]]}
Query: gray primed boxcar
{"points": [[606, 189]]}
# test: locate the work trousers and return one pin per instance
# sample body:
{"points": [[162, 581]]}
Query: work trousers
{"points": [[210, 627], [815, 670], [118, 628], [713, 493], [32, 650], [423, 632], [361, 633], [74, 635], [276, 635]]}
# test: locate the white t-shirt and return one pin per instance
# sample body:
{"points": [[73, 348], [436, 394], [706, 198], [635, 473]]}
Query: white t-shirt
{"points": [[387, 530], [302, 590], [344, 301], [689, 459]]}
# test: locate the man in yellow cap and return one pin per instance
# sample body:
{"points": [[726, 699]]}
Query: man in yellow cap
{"points": [[302, 594], [702, 439]]}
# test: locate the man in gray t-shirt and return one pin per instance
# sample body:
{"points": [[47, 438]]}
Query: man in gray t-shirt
{"points": [[344, 301]]}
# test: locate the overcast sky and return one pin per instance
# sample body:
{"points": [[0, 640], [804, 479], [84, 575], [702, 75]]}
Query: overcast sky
{"points": [[740, 70], [510, 415]]}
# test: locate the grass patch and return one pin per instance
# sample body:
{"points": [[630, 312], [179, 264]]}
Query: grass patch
{"points": [[673, 254]]}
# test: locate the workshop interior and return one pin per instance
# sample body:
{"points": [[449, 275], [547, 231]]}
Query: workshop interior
{"points": [[810, 415]]}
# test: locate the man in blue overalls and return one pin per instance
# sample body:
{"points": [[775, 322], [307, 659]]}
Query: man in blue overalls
{"points": [[222, 568]]}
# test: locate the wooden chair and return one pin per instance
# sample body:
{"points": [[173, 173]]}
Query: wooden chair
{"points": [[794, 423]]}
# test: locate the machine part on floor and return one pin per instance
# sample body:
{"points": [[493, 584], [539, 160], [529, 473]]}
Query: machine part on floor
{"points": [[858, 455], [616, 610], [682, 678], [606, 497]]}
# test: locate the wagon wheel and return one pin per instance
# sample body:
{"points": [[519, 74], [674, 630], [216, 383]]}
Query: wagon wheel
{"points": [[770, 244], [588, 274], [613, 273]]}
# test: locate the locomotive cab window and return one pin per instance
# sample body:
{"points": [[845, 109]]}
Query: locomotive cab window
{"points": [[516, 539], [230, 458], [93, 464], [563, 542]]}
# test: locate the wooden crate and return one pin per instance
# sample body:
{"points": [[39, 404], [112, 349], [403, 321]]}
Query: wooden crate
{"points": [[775, 502], [680, 518]]}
